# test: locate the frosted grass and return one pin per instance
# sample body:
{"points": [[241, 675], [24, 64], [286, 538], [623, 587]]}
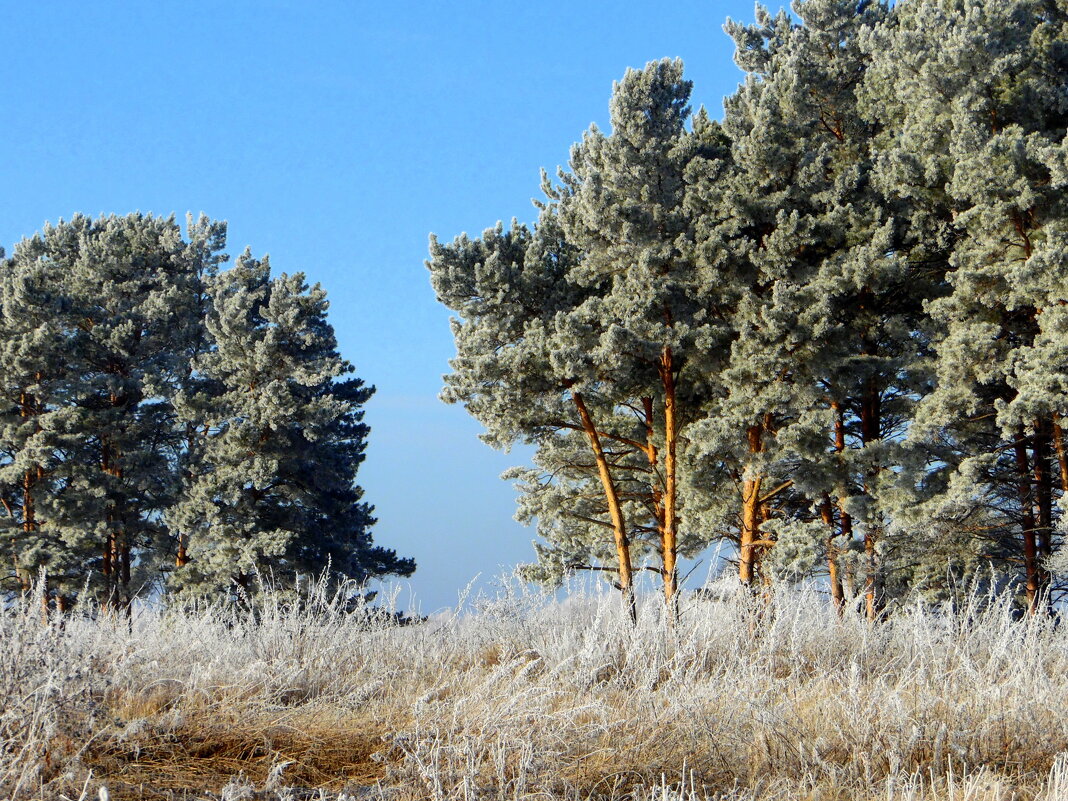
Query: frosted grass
{"points": [[523, 697]]}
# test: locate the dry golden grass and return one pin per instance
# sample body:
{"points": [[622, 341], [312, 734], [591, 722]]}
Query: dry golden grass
{"points": [[522, 698]]}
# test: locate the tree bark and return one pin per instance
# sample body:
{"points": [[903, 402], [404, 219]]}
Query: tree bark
{"points": [[845, 520], [1043, 489], [28, 407], [116, 567], [29, 525], [656, 500], [827, 515], [615, 510], [870, 431], [1033, 584], [750, 530], [1062, 456], [671, 430]]}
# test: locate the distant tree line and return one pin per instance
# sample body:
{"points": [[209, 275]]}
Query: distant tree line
{"points": [[168, 425], [831, 329]]}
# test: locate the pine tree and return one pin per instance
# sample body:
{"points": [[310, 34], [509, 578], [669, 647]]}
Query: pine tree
{"points": [[524, 369], [207, 240], [823, 366], [31, 365], [622, 207], [975, 95], [272, 491], [107, 303]]}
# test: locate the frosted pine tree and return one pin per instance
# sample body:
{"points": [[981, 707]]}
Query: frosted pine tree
{"points": [[272, 492], [32, 364], [523, 370], [207, 239], [975, 94], [655, 334], [113, 303], [822, 366]]}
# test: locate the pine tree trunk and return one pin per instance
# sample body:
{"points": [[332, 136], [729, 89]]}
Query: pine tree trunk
{"points": [[671, 430], [29, 523], [106, 571], [116, 568], [28, 408], [615, 510], [652, 455], [1043, 490], [845, 520], [1062, 456], [827, 515], [870, 431], [192, 435], [750, 532], [1027, 518]]}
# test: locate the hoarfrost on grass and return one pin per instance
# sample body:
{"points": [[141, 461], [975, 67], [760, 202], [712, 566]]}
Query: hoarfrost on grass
{"points": [[522, 697]]}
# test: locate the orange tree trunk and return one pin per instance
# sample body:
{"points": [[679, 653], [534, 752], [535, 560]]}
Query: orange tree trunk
{"points": [[750, 530], [615, 510], [669, 541]]}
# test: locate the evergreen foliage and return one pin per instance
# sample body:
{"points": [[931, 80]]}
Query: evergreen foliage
{"points": [[272, 491], [120, 346], [835, 323]]}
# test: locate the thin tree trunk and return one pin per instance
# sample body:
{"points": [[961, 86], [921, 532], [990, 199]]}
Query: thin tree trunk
{"points": [[1027, 517], [845, 520], [116, 567], [106, 569], [28, 408], [652, 455], [827, 515], [192, 432], [124, 561], [29, 525], [750, 532], [671, 430], [1062, 456], [870, 425], [1043, 490], [615, 510]]}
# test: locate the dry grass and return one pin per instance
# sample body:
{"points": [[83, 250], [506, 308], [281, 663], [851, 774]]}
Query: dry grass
{"points": [[523, 698]]}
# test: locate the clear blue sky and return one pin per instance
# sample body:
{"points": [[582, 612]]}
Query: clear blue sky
{"points": [[336, 136]]}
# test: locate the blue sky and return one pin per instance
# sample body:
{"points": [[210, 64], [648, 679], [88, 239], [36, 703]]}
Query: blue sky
{"points": [[336, 136]]}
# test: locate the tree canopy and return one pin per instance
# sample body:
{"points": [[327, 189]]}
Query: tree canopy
{"points": [[829, 329], [165, 424]]}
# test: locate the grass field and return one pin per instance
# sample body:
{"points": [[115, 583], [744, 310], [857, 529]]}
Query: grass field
{"points": [[524, 697]]}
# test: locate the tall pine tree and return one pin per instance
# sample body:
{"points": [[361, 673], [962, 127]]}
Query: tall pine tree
{"points": [[272, 490]]}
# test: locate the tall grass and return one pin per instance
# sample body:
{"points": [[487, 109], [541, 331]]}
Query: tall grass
{"points": [[523, 697]]}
